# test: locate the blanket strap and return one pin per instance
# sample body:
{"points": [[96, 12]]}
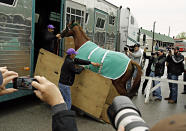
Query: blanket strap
{"points": [[103, 61], [91, 54]]}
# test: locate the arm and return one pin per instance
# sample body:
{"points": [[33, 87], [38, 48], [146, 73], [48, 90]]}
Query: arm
{"points": [[85, 62], [138, 54], [145, 55], [62, 119], [178, 59], [81, 62], [73, 69]]}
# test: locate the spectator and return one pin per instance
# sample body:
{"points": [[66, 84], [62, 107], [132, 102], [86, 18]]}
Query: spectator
{"points": [[68, 72], [184, 77], [159, 71], [175, 68], [148, 70], [137, 57], [49, 39]]}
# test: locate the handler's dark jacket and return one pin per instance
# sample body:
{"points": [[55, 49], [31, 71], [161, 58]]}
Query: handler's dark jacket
{"points": [[175, 64], [69, 70], [48, 41], [160, 65]]}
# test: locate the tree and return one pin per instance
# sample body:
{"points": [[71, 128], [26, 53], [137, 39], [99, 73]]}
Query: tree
{"points": [[181, 35]]}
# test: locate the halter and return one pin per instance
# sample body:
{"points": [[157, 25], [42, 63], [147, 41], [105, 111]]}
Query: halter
{"points": [[74, 24]]}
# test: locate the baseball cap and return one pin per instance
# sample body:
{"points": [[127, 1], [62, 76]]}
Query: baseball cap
{"points": [[51, 26], [172, 123], [161, 50], [177, 48], [1, 78], [71, 51], [137, 45]]}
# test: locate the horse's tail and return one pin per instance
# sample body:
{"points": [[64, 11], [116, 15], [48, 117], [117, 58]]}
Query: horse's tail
{"points": [[137, 80]]}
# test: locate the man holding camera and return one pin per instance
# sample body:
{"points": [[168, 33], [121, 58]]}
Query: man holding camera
{"points": [[175, 68], [137, 57], [159, 71], [148, 69]]}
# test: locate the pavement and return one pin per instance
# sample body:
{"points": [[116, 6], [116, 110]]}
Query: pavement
{"points": [[30, 114]]}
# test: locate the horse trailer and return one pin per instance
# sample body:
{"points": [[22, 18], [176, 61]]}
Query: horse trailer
{"points": [[22, 23]]}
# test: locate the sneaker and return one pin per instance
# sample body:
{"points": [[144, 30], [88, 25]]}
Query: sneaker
{"points": [[183, 92], [172, 102]]}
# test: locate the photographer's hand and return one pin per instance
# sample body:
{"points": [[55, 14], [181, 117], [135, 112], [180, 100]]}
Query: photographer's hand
{"points": [[7, 77], [47, 91]]}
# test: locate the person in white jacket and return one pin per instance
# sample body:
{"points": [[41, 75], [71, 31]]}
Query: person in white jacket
{"points": [[137, 57]]}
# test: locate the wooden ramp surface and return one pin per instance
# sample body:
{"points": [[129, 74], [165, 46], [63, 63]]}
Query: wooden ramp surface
{"points": [[91, 92]]}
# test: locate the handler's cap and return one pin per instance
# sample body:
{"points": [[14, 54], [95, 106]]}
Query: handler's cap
{"points": [[71, 51], [51, 26], [1, 78], [173, 123]]}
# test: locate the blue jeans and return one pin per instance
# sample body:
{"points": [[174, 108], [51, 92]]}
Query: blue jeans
{"points": [[173, 87], [66, 93], [157, 92]]}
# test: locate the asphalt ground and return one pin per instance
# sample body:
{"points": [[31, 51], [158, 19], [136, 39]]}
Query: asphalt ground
{"points": [[30, 114]]}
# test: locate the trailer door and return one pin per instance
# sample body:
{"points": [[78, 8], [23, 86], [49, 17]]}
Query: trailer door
{"points": [[100, 25]]}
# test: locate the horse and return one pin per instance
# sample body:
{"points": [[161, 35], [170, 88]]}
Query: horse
{"points": [[73, 29]]}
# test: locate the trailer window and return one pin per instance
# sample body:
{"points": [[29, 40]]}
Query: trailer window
{"points": [[8, 2], [100, 23], [111, 20], [74, 14]]}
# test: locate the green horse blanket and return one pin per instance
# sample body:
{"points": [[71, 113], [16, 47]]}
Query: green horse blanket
{"points": [[113, 64]]}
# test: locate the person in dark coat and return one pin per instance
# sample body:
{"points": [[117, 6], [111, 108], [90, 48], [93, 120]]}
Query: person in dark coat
{"points": [[49, 39], [148, 69], [68, 72], [159, 71], [175, 68]]}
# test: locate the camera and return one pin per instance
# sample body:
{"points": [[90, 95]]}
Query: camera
{"points": [[122, 112], [125, 48], [23, 83]]}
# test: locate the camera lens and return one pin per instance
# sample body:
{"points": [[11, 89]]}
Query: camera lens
{"points": [[124, 113]]}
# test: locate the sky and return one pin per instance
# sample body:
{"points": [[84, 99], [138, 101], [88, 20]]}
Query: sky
{"points": [[166, 13]]}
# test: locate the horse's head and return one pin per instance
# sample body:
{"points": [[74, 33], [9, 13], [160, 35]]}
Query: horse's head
{"points": [[68, 31]]}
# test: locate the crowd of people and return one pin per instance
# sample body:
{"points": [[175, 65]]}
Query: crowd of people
{"points": [[157, 61]]}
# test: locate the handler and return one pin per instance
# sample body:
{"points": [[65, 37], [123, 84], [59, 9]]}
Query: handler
{"points": [[68, 72]]}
